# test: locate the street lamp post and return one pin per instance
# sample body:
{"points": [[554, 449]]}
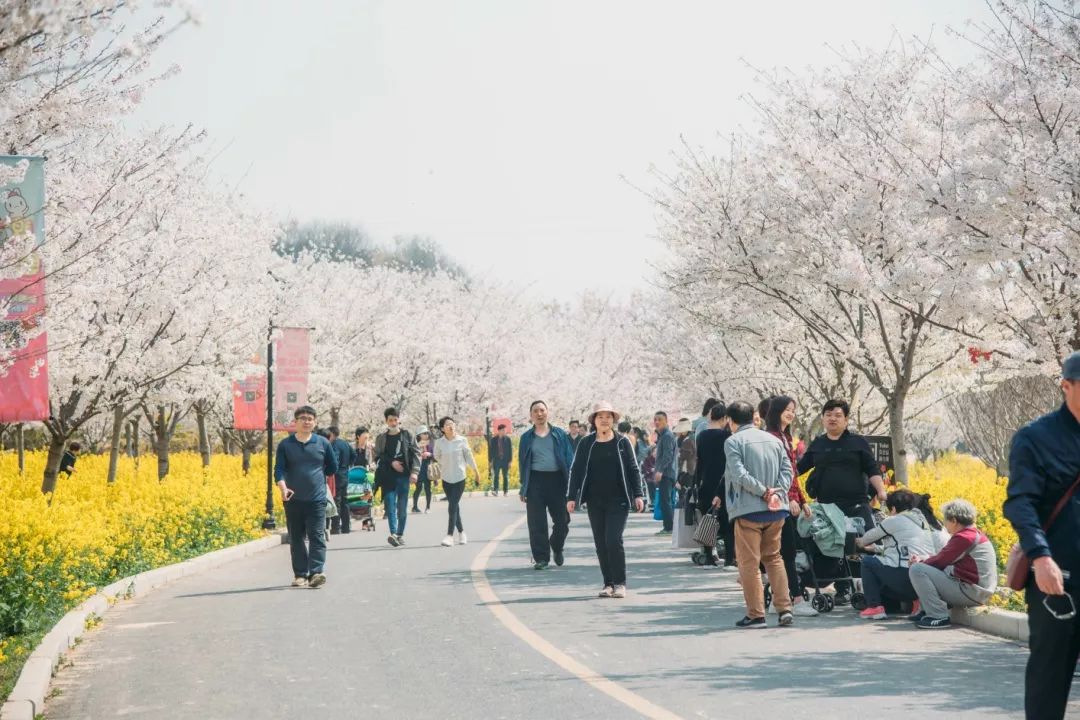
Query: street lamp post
{"points": [[269, 523]]}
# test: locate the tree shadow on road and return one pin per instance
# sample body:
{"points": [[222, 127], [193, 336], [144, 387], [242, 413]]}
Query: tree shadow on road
{"points": [[243, 591]]}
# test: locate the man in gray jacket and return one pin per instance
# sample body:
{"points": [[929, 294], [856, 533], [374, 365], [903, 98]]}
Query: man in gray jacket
{"points": [[667, 469], [758, 470]]}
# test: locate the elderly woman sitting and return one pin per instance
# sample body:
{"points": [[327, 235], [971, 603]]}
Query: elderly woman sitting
{"points": [[962, 574]]}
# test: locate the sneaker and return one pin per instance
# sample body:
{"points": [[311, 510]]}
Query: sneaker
{"points": [[804, 609], [749, 623], [400, 540], [663, 533], [874, 613], [504, 493], [299, 582], [393, 540], [559, 559], [916, 612], [540, 566], [427, 511], [619, 591], [786, 619], [317, 580], [448, 541], [462, 540], [731, 568], [842, 599], [931, 623], [607, 592], [416, 510]]}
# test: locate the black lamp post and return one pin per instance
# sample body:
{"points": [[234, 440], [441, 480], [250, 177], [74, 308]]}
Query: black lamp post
{"points": [[269, 523]]}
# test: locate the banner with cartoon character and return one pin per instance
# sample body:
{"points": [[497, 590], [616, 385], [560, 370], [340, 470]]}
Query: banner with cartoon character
{"points": [[291, 356], [24, 380]]}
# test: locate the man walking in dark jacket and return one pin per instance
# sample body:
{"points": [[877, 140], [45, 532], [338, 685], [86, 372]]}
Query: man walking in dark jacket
{"points": [[544, 459], [1044, 469], [397, 458], [500, 455], [343, 455], [304, 461], [667, 469]]}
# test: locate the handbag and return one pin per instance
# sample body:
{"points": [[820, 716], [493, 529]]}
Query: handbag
{"points": [[682, 535], [708, 529], [1018, 566], [331, 508], [434, 472]]}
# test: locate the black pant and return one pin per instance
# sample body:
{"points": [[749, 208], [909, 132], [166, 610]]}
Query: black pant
{"points": [[546, 496], [788, 546], [454, 492], [727, 531], [608, 521], [1055, 645], [505, 470], [343, 522], [306, 519], [425, 484], [667, 512]]}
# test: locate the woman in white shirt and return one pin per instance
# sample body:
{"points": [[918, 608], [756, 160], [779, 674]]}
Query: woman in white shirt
{"points": [[454, 456]]}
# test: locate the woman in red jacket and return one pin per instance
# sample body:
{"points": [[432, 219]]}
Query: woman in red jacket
{"points": [[778, 420]]}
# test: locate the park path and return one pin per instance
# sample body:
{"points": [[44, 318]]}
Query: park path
{"points": [[402, 633]]}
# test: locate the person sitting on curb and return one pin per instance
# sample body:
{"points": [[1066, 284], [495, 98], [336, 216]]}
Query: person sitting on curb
{"points": [[963, 574], [904, 533]]}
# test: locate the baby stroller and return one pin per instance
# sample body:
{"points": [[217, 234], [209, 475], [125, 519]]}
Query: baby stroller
{"points": [[359, 496]]}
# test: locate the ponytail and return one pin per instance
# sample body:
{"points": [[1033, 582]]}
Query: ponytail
{"points": [[922, 504]]}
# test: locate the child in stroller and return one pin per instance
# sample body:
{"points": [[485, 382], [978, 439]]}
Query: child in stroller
{"points": [[360, 497]]}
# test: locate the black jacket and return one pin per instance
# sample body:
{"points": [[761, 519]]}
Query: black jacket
{"points": [[711, 464], [579, 471]]}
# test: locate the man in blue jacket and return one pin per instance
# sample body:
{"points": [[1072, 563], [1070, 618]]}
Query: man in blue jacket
{"points": [[545, 456], [1044, 469], [304, 461], [667, 469]]}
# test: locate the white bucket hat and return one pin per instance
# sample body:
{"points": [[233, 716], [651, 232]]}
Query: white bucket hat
{"points": [[603, 406]]}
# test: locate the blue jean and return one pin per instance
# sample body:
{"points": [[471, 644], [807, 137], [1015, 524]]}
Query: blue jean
{"points": [[667, 511], [396, 499], [306, 519]]}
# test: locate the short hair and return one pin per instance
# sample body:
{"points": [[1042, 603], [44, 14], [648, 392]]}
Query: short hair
{"points": [[718, 411], [901, 500], [961, 511], [625, 427], [776, 408], [709, 405], [834, 404], [741, 412], [502, 426], [304, 410], [322, 432], [334, 430], [75, 446], [574, 422], [361, 430], [443, 420], [534, 403], [660, 413], [389, 413]]}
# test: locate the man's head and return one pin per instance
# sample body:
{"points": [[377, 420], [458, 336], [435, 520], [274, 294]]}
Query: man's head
{"points": [[501, 430], [718, 413], [660, 420], [1070, 383], [361, 435], [575, 428], [625, 427], [334, 432], [305, 418], [741, 413], [834, 415], [709, 405], [538, 413], [391, 417]]}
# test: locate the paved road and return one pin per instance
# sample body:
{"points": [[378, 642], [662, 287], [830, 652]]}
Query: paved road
{"points": [[403, 633]]}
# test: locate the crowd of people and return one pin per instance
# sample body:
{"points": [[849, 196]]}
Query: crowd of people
{"points": [[740, 465]]}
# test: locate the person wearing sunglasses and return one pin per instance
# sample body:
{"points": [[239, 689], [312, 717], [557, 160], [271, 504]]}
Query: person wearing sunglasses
{"points": [[1043, 506]]}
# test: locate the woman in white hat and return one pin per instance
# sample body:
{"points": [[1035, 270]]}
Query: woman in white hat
{"points": [[605, 475]]}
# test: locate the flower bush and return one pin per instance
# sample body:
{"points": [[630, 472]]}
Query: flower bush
{"points": [[58, 549]]}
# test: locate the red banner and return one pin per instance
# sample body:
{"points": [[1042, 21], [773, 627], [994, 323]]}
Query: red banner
{"points": [[291, 352], [24, 377]]}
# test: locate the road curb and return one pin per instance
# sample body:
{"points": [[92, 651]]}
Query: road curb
{"points": [[1007, 624], [27, 698]]}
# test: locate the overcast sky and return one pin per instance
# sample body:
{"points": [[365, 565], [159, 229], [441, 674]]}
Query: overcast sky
{"points": [[502, 129]]}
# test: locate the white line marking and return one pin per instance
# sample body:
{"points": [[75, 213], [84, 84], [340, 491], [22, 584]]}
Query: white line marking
{"points": [[545, 648]]}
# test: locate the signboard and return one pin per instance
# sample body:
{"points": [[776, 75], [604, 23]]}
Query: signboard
{"points": [[24, 378], [291, 359], [881, 447]]}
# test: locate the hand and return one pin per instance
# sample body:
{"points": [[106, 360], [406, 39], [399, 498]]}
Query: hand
{"points": [[1048, 576], [286, 493], [678, 486], [914, 559], [523, 499], [570, 505], [398, 466], [639, 505], [806, 511], [716, 501], [414, 478], [793, 507], [658, 476]]}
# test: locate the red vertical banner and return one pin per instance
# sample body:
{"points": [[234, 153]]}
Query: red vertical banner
{"points": [[249, 403], [24, 377], [291, 359]]}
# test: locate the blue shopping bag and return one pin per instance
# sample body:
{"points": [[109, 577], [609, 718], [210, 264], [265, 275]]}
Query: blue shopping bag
{"points": [[656, 514]]}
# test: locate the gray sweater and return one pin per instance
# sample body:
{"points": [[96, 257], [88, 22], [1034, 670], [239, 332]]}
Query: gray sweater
{"points": [[756, 462]]}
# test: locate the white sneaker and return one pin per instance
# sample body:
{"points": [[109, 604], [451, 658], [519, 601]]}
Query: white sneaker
{"points": [[462, 540], [448, 541], [803, 609]]}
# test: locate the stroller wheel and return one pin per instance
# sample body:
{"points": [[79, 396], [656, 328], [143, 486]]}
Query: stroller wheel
{"points": [[820, 602], [829, 603], [858, 601], [698, 557]]}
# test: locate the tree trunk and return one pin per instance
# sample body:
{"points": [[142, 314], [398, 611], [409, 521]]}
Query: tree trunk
{"points": [[161, 443], [133, 446], [246, 455], [335, 417], [57, 443], [204, 438], [896, 432], [20, 447], [118, 426]]}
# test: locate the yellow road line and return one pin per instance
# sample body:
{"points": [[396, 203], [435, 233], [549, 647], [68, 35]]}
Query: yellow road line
{"points": [[545, 648]]}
